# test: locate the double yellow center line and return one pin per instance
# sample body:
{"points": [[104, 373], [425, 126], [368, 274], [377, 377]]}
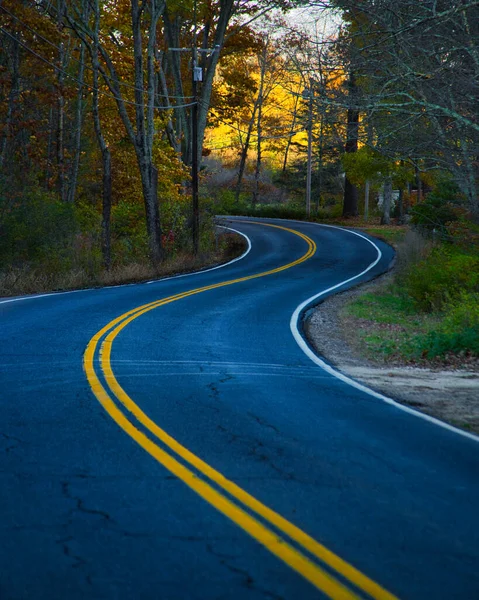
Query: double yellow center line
{"points": [[321, 567]]}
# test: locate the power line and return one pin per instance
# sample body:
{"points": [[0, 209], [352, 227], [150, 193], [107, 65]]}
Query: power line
{"points": [[53, 45], [83, 83]]}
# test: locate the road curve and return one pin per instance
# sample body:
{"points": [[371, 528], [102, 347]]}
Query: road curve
{"points": [[174, 440]]}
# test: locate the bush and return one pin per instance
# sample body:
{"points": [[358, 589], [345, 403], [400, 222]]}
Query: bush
{"points": [[433, 217], [458, 331], [440, 207], [34, 227], [441, 278]]}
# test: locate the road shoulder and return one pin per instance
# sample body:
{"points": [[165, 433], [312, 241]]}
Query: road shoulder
{"points": [[451, 395]]}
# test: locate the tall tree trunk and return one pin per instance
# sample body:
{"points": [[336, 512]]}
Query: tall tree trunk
{"points": [[61, 181], [387, 201], [12, 99], [77, 130], [257, 173], [106, 208], [183, 130], [104, 149], [418, 183], [401, 207], [163, 86], [320, 162], [172, 34], [366, 199], [50, 142], [226, 12], [144, 16], [244, 152], [145, 121], [149, 181], [291, 133], [350, 204]]}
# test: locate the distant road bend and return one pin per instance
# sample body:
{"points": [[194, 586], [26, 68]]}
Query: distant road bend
{"points": [[179, 440]]}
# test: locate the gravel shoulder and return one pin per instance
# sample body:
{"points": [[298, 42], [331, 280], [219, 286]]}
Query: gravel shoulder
{"points": [[451, 395]]}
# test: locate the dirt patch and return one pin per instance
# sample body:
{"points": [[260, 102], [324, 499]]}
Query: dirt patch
{"points": [[449, 394]]}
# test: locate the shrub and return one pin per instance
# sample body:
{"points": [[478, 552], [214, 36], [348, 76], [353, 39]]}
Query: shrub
{"points": [[464, 233], [458, 332], [35, 226], [431, 216], [441, 278], [440, 207]]}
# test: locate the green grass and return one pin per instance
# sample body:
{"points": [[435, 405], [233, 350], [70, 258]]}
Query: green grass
{"points": [[391, 234], [429, 312], [386, 307], [386, 325]]}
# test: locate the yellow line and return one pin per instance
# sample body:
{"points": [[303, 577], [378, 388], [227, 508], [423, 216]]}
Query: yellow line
{"points": [[296, 560], [257, 530]]}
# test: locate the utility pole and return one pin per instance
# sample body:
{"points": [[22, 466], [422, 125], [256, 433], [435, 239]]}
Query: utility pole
{"points": [[308, 93], [197, 76], [194, 159]]}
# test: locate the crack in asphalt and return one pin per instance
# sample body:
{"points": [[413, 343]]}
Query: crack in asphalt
{"points": [[80, 504], [247, 580], [78, 561], [255, 452], [9, 439], [262, 422], [213, 386]]}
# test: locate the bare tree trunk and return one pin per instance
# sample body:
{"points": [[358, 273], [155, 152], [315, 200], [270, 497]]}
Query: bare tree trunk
{"points": [[12, 99], [290, 137], [263, 64], [61, 183], [50, 141], [418, 183], [320, 162], [104, 149], [401, 207], [387, 193], [350, 205], [366, 200], [244, 152], [226, 12], [145, 121], [163, 85], [77, 129], [183, 133], [172, 34], [257, 171]]}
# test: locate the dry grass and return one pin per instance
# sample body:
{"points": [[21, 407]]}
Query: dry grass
{"points": [[28, 280], [411, 250]]}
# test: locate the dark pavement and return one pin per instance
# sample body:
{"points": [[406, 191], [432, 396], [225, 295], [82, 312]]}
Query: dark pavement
{"points": [[88, 513]]}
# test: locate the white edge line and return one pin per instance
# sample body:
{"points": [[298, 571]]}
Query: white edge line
{"points": [[109, 287], [247, 251], [300, 340]]}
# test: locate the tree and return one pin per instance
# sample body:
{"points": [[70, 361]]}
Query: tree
{"points": [[417, 66], [141, 132], [350, 203]]}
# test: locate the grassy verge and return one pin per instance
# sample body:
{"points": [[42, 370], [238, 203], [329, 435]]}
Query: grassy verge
{"points": [[38, 279], [428, 311]]}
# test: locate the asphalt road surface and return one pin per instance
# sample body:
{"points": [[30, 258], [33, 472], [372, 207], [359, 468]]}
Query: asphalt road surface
{"points": [[178, 440]]}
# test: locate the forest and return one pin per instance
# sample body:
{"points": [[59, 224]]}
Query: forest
{"points": [[127, 125]]}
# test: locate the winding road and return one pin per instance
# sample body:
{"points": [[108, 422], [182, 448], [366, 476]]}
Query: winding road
{"points": [[179, 440]]}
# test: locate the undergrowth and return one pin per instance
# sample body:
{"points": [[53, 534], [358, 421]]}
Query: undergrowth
{"points": [[430, 309], [45, 277]]}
